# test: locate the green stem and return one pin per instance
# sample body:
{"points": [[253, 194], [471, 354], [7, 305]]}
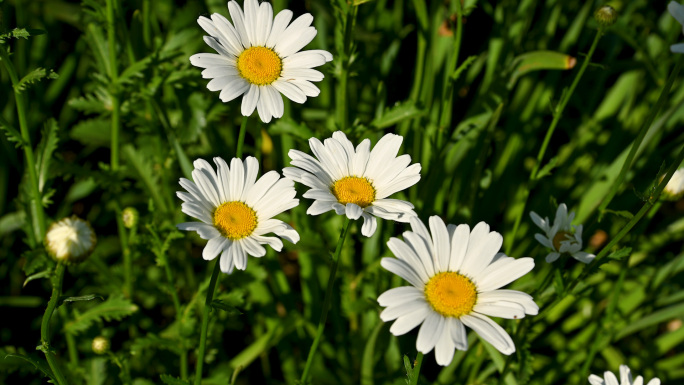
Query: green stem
{"points": [[36, 204], [57, 280], [640, 137], [205, 322], [241, 137], [558, 113], [341, 91], [113, 87], [179, 316], [71, 341], [326, 301], [416, 368], [447, 90]]}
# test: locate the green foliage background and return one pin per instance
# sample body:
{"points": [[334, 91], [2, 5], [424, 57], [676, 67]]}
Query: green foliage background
{"points": [[475, 122]]}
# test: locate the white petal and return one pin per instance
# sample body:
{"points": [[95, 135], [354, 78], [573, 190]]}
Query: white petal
{"points": [[279, 24], [501, 309], [249, 101], [239, 22], [304, 59], [523, 299], [583, 257], [430, 332], [441, 246], [596, 380], [319, 207], [552, 257], [445, 347], [497, 278], [204, 230], [407, 254], [264, 23], [490, 331], [226, 261], [214, 247], [240, 256], [397, 295], [295, 44], [233, 89], [459, 246], [302, 74], [458, 334], [353, 211], [219, 71], [263, 108], [403, 270], [237, 179], [402, 309], [370, 224], [290, 91], [677, 11], [252, 247], [307, 87], [206, 60], [406, 323], [677, 48], [275, 243]]}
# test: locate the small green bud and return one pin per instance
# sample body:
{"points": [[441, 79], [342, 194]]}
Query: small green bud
{"points": [[130, 217], [70, 240], [100, 345], [606, 16]]}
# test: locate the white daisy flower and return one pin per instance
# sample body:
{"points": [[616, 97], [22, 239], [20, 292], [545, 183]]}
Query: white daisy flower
{"points": [[674, 189], [258, 56], [70, 240], [356, 182], [562, 237], [236, 209], [677, 11], [456, 275], [625, 378]]}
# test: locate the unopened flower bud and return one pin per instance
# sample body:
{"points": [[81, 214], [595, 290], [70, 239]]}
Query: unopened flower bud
{"points": [[100, 345], [130, 217], [674, 189], [70, 240], [606, 16]]}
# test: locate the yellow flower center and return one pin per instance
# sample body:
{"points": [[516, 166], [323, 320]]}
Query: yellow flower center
{"points": [[354, 189], [560, 237], [259, 65], [235, 220], [451, 294]]}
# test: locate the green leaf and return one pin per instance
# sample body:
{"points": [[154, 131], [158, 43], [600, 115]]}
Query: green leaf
{"points": [[43, 274], [12, 134], [48, 144], [170, 380], [546, 170], [620, 254], [464, 66], [144, 171], [408, 367], [134, 70], [94, 132], [114, 308], [33, 77], [97, 102], [152, 341], [89, 297], [38, 363], [672, 312], [621, 213], [11, 222], [539, 60], [35, 259], [398, 113], [21, 33], [220, 305]]}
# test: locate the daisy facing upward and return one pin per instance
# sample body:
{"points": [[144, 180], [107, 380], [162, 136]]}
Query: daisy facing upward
{"points": [[259, 57], [356, 182]]}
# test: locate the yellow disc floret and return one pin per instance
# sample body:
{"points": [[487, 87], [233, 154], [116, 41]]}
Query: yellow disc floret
{"points": [[259, 65], [451, 294], [235, 220], [354, 189], [560, 237]]}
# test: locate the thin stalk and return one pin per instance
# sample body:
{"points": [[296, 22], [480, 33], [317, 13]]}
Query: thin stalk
{"points": [[416, 368], [114, 76], [125, 251], [146, 23], [326, 301], [57, 280], [558, 113], [36, 204], [341, 91], [205, 322], [241, 137], [179, 316], [640, 138], [447, 90], [71, 341]]}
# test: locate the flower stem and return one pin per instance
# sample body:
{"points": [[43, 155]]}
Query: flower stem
{"points": [[57, 280], [114, 76], [416, 369], [557, 114], [326, 301], [205, 322], [640, 137], [36, 204], [341, 90], [241, 137]]}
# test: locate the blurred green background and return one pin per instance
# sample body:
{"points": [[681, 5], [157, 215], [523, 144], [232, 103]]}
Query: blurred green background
{"points": [[475, 121]]}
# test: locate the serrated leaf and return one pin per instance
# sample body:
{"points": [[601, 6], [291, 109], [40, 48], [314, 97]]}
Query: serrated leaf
{"points": [[144, 171], [43, 274], [36, 362], [97, 102], [35, 259], [114, 308], [620, 254], [33, 77], [621, 213], [170, 380], [88, 297], [396, 114], [546, 170], [220, 305], [11, 133], [21, 33], [95, 132], [134, 70], [152, 341], [48, 144]]}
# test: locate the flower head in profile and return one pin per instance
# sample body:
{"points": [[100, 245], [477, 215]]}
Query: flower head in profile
{"points": [[356, 182], [677, 11], [259, 56], [674, 189], [456, 275], [562, 236], [70, 240], [625, 378], [236, 210]]}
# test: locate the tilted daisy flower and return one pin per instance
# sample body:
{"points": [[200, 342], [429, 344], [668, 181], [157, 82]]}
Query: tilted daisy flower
{"points": [[456, 275], [677, 11], [236, 210], [70, 240], [356, 182], [625, 378], [562, 236], [674, 189], [258, 56]]}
